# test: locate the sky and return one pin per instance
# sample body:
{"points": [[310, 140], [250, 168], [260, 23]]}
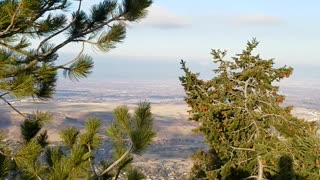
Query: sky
{"points": [[288, 31]]}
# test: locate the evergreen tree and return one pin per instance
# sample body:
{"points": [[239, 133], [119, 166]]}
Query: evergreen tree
{"points": [[32, 32], [30, 69], [250, 135], [33, 158]]}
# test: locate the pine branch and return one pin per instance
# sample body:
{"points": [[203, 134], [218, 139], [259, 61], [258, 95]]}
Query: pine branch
{"points": [[91, 162], [73, 38], [79, 69], [245, 91], [197, 86], [62, 30], [243, 128], [69, 40], [80, 34], [117, 174], [118, 161], [242, 149], [15, 49], [12, 20], [4, 154], [31, 21], [75, 59], [4, 94], [15, 109], [38, 177], [260, 171]]}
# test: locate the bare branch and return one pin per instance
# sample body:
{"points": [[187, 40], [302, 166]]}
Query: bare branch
{"points": [[243, 149], [75, 59], [91, 162], [4, 94], [245, 91], [39, 178], [12, 19], [15, 109], [118, 161], [260, 170]]}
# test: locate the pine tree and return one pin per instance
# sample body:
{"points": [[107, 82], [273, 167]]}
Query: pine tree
{"points": [[29, 70], [33, 158], [250, 135]]}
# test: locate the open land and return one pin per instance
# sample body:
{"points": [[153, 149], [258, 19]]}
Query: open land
{"points": [[168, 156]]}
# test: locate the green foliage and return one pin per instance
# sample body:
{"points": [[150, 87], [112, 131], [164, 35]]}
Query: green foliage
{"points": [[135, 175], [32, 126], [4, 165], [42, 139], [75, 159], [69, 136], [29, 129], [27, 154], [130, 133], [136, 129], [101, 11], [248, 131], [29, 69], [79, 69], [135, 9], [142, 132], [53, 155], [108, 40], [90, 137]]}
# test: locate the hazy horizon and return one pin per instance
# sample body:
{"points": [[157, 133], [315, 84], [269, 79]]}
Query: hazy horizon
{"points": [[287, 31], [141, 69]]}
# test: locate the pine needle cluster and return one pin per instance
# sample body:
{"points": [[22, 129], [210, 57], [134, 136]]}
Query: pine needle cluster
{"points": [[35, 158], [32, 32]]}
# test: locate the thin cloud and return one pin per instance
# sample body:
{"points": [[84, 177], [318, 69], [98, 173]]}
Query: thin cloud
{"points": [[160, 17], [257, 19]]}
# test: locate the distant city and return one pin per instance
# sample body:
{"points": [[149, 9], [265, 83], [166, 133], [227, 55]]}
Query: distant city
{"points": [[96, 91], [299, 93], [168, 156]]}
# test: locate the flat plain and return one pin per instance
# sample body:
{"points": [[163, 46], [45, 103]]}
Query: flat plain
{"points": [[168, 156]]}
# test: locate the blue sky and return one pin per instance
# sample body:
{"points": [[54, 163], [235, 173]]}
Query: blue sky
{"points": [[288, 30]]}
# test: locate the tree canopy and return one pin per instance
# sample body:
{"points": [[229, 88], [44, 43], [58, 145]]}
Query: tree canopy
{"points": [[250, 134], [33, 31], [32, 34]]}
